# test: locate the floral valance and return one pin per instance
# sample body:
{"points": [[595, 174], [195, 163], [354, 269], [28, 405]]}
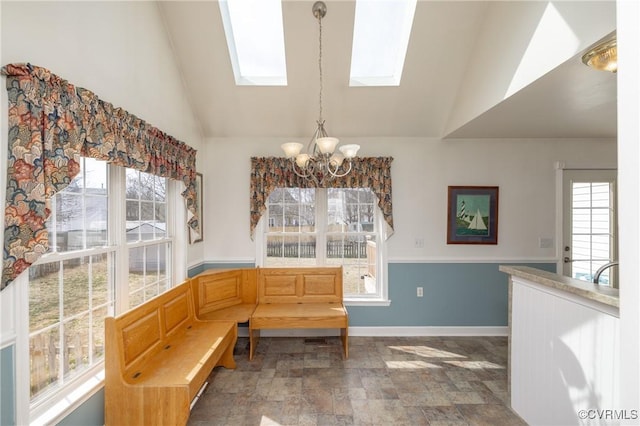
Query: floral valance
{"points": [[269, 173], [51, 124]]}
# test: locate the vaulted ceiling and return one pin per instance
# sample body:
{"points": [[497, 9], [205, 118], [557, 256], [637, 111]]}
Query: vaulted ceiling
{"points": [[473, 69]]}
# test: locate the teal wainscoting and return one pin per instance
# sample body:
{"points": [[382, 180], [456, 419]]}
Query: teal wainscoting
{"points": [[7, 386], [455, 295], [90, 413]]}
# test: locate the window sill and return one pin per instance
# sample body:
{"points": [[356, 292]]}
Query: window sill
{"points": [[367, 302], [73, 398]]}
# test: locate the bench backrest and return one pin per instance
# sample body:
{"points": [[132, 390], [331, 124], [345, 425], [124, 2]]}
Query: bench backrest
{"points": [[136, 335], [221, 288], [300, 285]]}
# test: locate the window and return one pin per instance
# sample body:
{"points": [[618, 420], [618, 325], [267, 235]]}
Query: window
{"points": [[71, 288], [146, 227], [328, 227], [75, 286], [590, 239]]}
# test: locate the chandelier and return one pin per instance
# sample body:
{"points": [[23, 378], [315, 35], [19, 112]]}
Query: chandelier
{"points": [[320, 162]]}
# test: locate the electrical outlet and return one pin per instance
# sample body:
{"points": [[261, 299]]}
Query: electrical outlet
{"points": [[419, 292], [419, 242]]}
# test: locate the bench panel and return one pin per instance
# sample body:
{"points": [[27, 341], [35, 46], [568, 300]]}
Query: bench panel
{"points": [[225, 289], [176, 312], [141, 336], [280, 285], [218, 291], [319, 285]]}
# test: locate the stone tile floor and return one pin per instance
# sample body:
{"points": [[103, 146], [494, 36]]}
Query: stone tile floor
{"points": [[385, 381]]}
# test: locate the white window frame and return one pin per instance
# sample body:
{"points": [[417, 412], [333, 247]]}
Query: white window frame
{"points": [[382, 296], [55, 406]]}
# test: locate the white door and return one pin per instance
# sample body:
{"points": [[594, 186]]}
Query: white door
{"points": [[589, 223]]}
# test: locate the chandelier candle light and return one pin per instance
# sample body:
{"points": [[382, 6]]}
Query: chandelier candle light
{"points": [[320, 162]]}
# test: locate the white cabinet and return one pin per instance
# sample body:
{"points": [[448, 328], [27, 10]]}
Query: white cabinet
{"points": [[563, 356]]}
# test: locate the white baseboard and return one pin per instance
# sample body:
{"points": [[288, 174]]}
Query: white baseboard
{"points": [[383, 332], [428, 331]]}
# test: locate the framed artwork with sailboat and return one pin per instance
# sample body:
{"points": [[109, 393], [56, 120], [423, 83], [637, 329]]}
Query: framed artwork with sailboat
{"points": [[472, 216]]}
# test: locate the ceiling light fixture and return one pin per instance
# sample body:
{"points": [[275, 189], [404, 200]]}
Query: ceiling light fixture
{"points": [[320, 163], [603, 57]]}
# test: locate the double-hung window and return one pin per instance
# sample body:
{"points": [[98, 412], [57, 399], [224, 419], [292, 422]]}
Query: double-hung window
{"points": [[71, 288], [328, 227], [147, 242], [110, 249]]}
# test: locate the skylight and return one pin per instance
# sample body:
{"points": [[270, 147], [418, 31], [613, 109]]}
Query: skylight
{"points": [[380, 39], [255, 38]]}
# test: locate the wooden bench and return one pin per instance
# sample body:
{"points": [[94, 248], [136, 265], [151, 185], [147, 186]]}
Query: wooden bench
{"points": [[225, 294], [158, 357], [299, 298]]}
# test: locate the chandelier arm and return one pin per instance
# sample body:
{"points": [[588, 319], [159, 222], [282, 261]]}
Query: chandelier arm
{"points": [[303, 173], [334, 173], [308, 172], [312, 170]]}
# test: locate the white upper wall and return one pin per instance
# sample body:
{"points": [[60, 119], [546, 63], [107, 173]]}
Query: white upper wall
{"points": [[422, 169], [118, 50], [519, 42]]}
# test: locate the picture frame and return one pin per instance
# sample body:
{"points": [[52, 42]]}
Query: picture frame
{"points": [[472, 216], [194, 237]]}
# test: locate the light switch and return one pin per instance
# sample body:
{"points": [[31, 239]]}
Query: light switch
{"points": [[546, 242]]}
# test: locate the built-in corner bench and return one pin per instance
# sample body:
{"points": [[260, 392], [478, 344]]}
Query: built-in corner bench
{"points": [[274, 298], [159, 354]]}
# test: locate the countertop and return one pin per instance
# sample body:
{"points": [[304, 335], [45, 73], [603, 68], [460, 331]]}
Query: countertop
{"points": [[599, 293]]}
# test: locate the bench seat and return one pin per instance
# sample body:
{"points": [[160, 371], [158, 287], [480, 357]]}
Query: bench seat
{"points": [[240, 313], [304, 315], [188, 359]]}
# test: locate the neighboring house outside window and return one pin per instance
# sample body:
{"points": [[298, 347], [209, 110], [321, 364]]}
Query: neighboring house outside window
{"points": [[328, 227]]}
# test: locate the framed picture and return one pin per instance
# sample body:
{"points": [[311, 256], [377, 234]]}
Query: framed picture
{"points": [[194, 237], [472, 215]]}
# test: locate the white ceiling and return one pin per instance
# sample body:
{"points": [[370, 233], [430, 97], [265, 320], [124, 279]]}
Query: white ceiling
{"points": [[570, 101]]}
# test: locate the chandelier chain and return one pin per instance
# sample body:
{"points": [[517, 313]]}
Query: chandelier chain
{"points": [[320, 62]]}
